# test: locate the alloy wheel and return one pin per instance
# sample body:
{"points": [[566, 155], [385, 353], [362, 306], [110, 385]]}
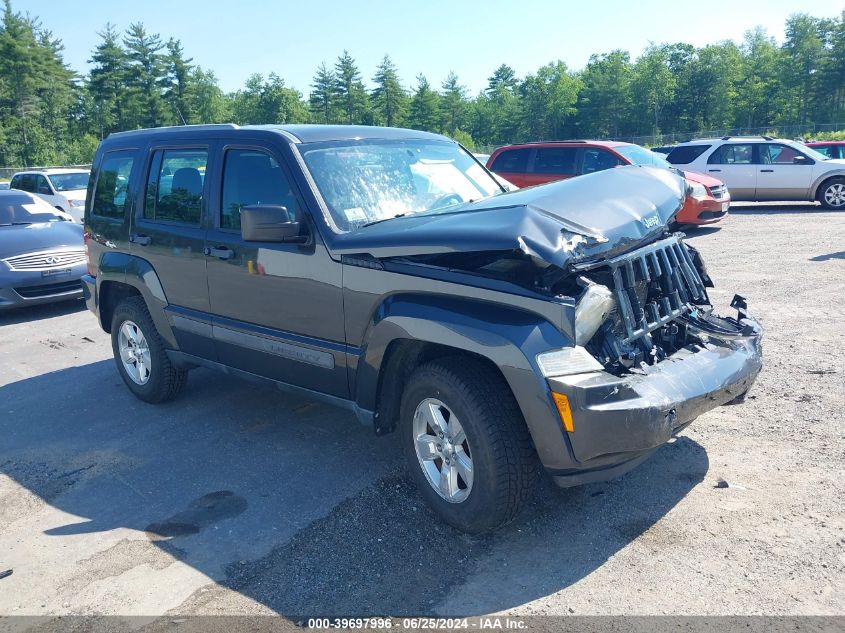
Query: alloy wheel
{"points": [[134, 352], [443, 451]]}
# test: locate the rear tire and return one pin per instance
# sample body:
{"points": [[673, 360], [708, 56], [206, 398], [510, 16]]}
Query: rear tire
{"points": [[491, 438], [832, 194], [140, 355]]}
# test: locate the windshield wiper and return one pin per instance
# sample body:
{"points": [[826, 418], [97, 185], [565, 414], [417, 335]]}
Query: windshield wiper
{"points": [[398, 215]]}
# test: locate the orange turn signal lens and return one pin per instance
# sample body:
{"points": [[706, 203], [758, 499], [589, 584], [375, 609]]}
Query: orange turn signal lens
{"points": [[562, 404]]}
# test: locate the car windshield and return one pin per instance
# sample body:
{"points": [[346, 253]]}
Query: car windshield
{"points": [[69, 182], [20, 208], [367, 181], [641, 156]]}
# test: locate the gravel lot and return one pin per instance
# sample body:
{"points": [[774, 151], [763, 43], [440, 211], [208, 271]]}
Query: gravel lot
{"points": [[238, 499]]}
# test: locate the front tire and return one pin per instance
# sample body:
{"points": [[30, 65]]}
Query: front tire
{"points": [[140, 356], [832, 194], [466, 444]]}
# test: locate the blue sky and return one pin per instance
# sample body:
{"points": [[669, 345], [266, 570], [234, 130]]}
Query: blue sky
{"points": [[240, 37]]}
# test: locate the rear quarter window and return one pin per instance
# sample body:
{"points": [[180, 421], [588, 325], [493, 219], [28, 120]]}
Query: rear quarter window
{"points": [[512, 161], [685, 154]]}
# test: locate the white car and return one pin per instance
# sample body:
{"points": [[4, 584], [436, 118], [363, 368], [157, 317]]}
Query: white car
{"points": [[761, 168], [63, 188]]}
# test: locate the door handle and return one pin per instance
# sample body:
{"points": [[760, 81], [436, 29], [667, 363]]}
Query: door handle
{"points": [[767, 171], [141, 240], [221, 252], [714, 170]]}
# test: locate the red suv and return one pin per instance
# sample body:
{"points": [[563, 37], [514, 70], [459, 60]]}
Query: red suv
{"points": [[831, 149], [539, 163]]}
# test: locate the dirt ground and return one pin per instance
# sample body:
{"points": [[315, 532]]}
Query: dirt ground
{"points": [[275, 504]]}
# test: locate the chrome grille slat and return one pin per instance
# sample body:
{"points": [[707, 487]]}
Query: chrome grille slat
{"points": [[39, 261], [665, 264]]}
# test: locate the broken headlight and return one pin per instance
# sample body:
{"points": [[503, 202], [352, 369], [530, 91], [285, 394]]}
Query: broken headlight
{"points": [[567, 361], [592, 309]]}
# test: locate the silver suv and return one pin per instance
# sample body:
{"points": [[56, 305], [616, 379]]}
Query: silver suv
{"points": [[763, 168]]}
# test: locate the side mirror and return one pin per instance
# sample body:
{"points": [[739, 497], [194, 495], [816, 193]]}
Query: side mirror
{"points": [[800, 159], [270, 223]]}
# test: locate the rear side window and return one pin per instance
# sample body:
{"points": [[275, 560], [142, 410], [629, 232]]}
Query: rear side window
{"points": [[685, 154], [555, 160], [252, 177], [598, 160], [733, 154], [24, 182], [111, 198], [174, 185], [513, 161]]}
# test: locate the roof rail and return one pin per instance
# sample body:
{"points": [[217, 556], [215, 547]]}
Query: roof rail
{"points": [[210, 127], [765, 138]]}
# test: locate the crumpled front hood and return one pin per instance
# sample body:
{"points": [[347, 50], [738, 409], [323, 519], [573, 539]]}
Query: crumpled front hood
{"points": [[573, 220]]}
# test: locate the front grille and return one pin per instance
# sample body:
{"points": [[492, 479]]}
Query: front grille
{"points": [[49, 290], [46, 260], [653, 286], [719, 192]]}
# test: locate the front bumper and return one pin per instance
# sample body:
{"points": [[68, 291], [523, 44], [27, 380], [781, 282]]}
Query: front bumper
{"points": [[619, 421], [700, 211], [19, 289]]}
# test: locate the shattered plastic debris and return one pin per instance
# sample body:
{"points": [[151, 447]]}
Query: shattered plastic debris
{"points": [[5, 574]]}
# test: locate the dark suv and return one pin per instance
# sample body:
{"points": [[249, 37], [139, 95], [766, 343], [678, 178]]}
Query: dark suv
{"points": [[387, 272]]}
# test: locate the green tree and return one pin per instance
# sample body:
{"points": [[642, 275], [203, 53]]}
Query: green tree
{"points": [[653, 86], [323, 99], [802, 58], [145, 77], [453, 105], [351, 94], [548, 102], [106, 82], [177, 83], [390, 101], [424, 111], [604, 101]]}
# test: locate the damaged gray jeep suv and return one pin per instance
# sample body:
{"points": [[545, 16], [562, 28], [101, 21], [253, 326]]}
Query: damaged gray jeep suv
{"points": [[387, 272]]}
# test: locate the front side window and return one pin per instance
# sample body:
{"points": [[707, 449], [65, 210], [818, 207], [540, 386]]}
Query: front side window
{"points": [[174, 185], [733, 154], [775, 154], [598, 160], [368, 181], [512, 161], [111, 197], [556, 160], [252, 177], [42, 186], [642, 156]]}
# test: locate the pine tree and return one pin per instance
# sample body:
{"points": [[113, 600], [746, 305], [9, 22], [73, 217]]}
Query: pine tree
{"points": [[453, 105], [390, 101], [350, 91], [177, 82], [425, 107], [107, 81], [323, 98], [145, 77]]}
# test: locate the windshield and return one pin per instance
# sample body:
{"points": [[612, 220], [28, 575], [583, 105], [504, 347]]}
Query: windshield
{"points": [[373, 180], [69, 182], [641, 156], [17, 207]]}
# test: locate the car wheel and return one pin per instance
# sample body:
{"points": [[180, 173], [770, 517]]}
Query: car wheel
{"points": [[832, 194], [466, 444], [140, 355]]}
